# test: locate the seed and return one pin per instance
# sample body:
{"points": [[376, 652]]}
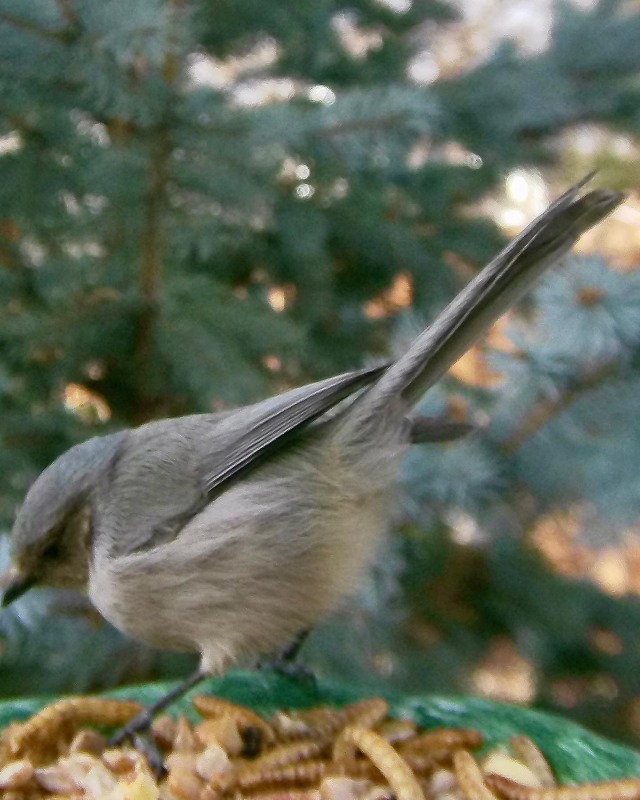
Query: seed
{"points": [[470, 777]]}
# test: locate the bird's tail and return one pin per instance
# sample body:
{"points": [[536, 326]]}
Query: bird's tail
{"points": [[498, 287]]}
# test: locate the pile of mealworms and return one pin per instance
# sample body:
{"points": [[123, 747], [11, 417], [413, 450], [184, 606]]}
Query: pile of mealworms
{"points": [[353, 753]]}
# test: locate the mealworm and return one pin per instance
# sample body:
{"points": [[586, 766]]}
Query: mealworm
{"points": [[529, 752], [469, 777], [443, 742], [252, 776], [290, 753], [394, 768], [64, 716], [326, 722], [288, 728], [305, 772], [397, 730], [623, 789], [344, 748], [369, 714], [344, 753], [208, 706], [420, 763], [353, 769]]}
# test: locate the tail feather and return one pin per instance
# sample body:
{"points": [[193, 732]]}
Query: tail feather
{"points": [[492, 292]]}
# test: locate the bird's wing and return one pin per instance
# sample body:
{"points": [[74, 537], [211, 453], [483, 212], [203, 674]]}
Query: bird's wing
{"points": [[178, 466], [266, 427]]}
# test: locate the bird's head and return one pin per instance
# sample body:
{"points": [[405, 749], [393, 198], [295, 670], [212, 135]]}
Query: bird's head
{"points": [[51, 536]]}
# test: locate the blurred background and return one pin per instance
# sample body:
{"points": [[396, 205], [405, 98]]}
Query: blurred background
{"points": [[202, 204]]}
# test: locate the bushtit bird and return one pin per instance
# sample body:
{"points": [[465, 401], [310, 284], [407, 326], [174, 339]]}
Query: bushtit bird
{"points": [[231, 533]]}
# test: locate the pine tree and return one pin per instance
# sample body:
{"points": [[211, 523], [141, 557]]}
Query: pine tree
{"points": [[202, 204]]}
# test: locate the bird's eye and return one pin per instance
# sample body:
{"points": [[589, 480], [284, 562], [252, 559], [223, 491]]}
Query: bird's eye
{"points": [[52, 552]]}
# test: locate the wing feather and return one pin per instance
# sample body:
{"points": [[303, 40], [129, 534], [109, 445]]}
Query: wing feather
{"points": [[276, 421]]}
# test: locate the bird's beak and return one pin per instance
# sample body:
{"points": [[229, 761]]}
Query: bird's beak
{"points": [[15, 585]]}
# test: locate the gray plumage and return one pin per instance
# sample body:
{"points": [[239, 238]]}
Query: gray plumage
{"points": [[231, 533]]}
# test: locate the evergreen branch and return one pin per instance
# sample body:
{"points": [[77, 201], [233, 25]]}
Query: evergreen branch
{"points": [[42, 81], [549, 407], [27, 26], [150, 267], [66, 12], [357, 125], [390, 121]]}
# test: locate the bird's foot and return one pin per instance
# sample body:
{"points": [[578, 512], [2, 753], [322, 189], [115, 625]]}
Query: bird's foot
{"points": [[140, 724], [138, 732], [284, 662], [294, 670], [137, 729]]}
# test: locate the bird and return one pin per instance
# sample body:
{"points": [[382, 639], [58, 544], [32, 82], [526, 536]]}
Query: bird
{"points": [[231, 533]]}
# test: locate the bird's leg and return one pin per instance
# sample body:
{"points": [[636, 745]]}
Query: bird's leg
{"points": [[291, 651], [284, 660], [142, 721]]}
